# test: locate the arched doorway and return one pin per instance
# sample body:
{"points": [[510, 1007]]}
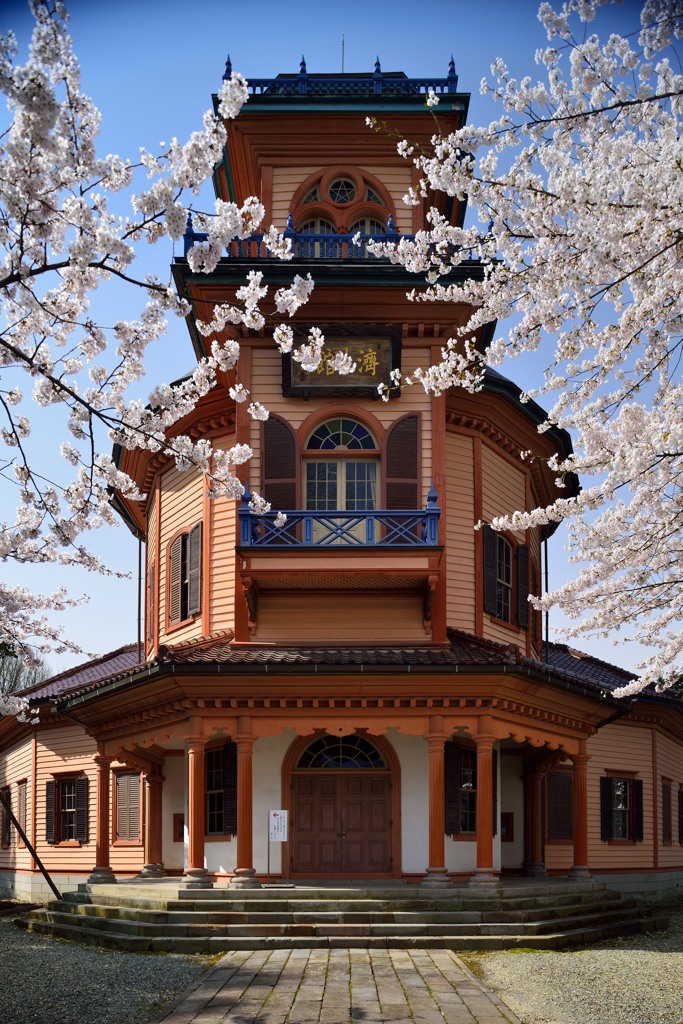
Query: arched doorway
{"points": [[344, 807]]}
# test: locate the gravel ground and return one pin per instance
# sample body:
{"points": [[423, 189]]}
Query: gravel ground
{"points": [[638, 979], [48, 981]]}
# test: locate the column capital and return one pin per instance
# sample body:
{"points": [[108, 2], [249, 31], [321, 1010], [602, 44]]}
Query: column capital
{"points": [[196, 742], [103, 761]]}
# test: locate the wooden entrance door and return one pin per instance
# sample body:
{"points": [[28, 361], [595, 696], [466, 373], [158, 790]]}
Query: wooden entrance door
{"points": [[341, 823]]}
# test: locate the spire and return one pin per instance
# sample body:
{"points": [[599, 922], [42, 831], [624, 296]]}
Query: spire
{"points": [[228, 69]]}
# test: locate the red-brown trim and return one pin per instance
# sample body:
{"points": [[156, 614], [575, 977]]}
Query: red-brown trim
{"points": [[157, 616], [207, 552], [655, 801]]}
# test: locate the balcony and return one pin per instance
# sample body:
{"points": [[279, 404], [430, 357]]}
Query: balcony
{"points": [[334, 551]]}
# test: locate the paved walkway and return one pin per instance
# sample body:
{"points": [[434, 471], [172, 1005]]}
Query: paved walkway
{"points": [[339, 986]]}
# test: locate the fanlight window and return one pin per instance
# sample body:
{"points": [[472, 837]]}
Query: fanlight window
{"points": [[368, 226], [337, 752], [317, 226], [342, 190], [341, 433]]}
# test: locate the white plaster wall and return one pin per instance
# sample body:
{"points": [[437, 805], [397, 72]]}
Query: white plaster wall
{"points": [[269, 753], [414, 760], [173, 801], [512, 799]]}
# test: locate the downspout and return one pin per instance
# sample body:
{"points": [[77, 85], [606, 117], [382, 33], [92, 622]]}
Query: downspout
{"points": [[139, 600], [545, 590]]}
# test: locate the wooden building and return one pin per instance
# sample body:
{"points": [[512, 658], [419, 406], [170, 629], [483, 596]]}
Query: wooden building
{"points": [[373, 666]]}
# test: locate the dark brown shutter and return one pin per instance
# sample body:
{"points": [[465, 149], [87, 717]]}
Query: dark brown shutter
{"points": [[82, 809], [401, 466], [680, 815], [175, 587], [490, 576], [559, 805], [50, 800], [194, 570], [128, 806], [523, 586], [494, 788], [6, 818], [637, 809], [606, 808], [279, 465], [150, 602], [451, 778], [230, 788]]}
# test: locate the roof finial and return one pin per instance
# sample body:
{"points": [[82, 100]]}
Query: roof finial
{"points": [[302, 66], [452, 77], [378, 66], [228, 68]]}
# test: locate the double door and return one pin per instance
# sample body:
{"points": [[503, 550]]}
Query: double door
{"points": [[341, 823]]}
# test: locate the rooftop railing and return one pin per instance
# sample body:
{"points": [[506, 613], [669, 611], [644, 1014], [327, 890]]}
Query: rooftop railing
{"points": [[375, 83]]}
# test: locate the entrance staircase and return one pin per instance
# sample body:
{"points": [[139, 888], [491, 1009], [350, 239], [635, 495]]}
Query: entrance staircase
{"points": [[161, 917]]}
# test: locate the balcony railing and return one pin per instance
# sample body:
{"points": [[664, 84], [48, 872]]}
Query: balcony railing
{"points": [[305, 244], [357, 529]]}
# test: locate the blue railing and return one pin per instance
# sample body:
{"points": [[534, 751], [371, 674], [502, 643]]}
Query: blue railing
{"points": [[377, 83], [305, 245], [366, 528]]}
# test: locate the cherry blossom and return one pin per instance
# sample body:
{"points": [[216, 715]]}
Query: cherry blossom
{"points": [[577, 190], [62, 236]]}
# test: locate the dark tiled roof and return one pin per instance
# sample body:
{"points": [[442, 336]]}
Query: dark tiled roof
{"points": [[86, 676], [577, 664], [463, 651]]}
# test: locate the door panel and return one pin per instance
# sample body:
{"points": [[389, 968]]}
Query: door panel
{"points": [[341, 823]]}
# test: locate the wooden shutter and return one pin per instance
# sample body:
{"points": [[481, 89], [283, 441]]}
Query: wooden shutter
{"points": [[279, 465], [6, 818], [523, 586], [680, 815], [150, 602], [401, 468], [50, 801], [194, 570], [82, 809], [175, 587], [637, 809], [606, 808], [559, 805], [451, 779], [490, 576], [494, 788], [128, 806], [230, 788]]}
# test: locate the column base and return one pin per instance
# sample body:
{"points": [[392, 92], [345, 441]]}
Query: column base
{"points": [[102, 875], [152, 871], [580, 872], [484, 877], [535, 871], [436, 878], [195, 878], [244, 878]]}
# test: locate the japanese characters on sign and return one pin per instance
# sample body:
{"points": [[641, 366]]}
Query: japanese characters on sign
{"points": [[277, 832], [374, 357]]}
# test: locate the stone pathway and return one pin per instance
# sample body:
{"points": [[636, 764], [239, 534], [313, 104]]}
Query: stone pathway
{"points": [[339, 986]]}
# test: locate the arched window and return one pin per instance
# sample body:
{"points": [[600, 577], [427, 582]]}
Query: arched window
{"points": [[341, 752], [346, 478], [506, 579], [341, 201]]}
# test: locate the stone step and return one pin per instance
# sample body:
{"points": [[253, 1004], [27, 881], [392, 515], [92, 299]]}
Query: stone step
{"points": [[205, 944], [285, 916], [172, 927]]}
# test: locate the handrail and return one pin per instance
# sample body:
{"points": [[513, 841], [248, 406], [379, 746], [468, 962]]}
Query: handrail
{"points": [[340, 528]]}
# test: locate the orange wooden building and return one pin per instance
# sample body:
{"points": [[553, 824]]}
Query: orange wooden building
{"points": [[373, 667]]}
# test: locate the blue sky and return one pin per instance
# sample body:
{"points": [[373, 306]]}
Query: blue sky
{"points": [[151, 69]]}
